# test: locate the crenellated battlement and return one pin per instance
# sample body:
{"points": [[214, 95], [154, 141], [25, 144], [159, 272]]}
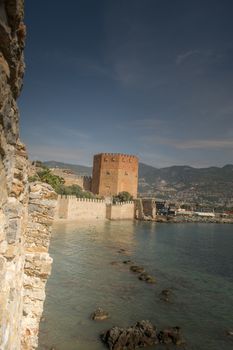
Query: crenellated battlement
{"points": [[122, 203], [74, 198], [117, 155]]}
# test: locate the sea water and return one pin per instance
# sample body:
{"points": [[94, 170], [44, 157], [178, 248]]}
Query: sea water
{"points": [[194, 261]]}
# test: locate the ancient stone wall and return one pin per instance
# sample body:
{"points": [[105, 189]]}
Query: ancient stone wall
{"points": [[114, 173], [24, 214], [149, 207], [145, 208], [72, 179], [120, 211], [72, 208]]}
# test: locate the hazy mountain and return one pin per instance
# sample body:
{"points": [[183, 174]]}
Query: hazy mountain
{"points": [[186, 184], [186, 173], [77, 169]]}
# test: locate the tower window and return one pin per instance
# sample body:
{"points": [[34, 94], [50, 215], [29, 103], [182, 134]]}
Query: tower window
{"points": [[107, 172]]}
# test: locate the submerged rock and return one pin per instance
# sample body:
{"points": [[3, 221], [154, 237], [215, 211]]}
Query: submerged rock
{"points": [[127, 262], [121, 250], [229, 333], [142, 334], [137, 269], [171, 335], [165, 295], [146, 278], [99, 315]]}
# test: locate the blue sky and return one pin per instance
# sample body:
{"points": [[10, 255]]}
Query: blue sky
{"points": [[152, 78]]}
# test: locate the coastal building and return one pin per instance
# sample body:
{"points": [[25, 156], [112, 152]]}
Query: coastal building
{"points": [[114, 173]]}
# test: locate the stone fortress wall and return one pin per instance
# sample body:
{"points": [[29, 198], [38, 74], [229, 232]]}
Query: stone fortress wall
{"points": [[114, 173], [72, 208], [26, 211], [72, 179], [120, 211]]}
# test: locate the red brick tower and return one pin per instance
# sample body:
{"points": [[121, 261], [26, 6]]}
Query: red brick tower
{"points": [[114, 173]]}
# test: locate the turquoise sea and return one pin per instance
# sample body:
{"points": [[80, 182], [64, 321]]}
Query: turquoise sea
{"points": [[195, 261]]}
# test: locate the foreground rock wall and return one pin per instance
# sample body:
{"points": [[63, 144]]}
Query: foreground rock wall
{"points": [[13, 175], [25, 216], [37, 267]]}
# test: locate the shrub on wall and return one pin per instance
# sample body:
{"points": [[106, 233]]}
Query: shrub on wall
{"points": [[75, 190], [122, 197], [45, 175], [57, 182]]}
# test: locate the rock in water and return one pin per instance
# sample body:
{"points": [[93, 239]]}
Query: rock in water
{"points": [[142, 334], [127, 262], [99, 315], [230, 333], [137, 269], [165, 295], [147, 278], [171, 335]]}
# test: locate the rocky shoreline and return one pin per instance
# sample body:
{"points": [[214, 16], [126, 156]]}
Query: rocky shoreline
{"points": [[188, 219]]}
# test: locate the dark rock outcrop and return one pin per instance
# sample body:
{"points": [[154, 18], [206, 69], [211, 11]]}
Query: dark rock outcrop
{"points": [[141, 335], [171, 335]]}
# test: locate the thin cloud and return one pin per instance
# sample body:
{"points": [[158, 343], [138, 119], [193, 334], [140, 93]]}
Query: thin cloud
{"points": [[190, 144], [206, 144], [184, 56]]}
